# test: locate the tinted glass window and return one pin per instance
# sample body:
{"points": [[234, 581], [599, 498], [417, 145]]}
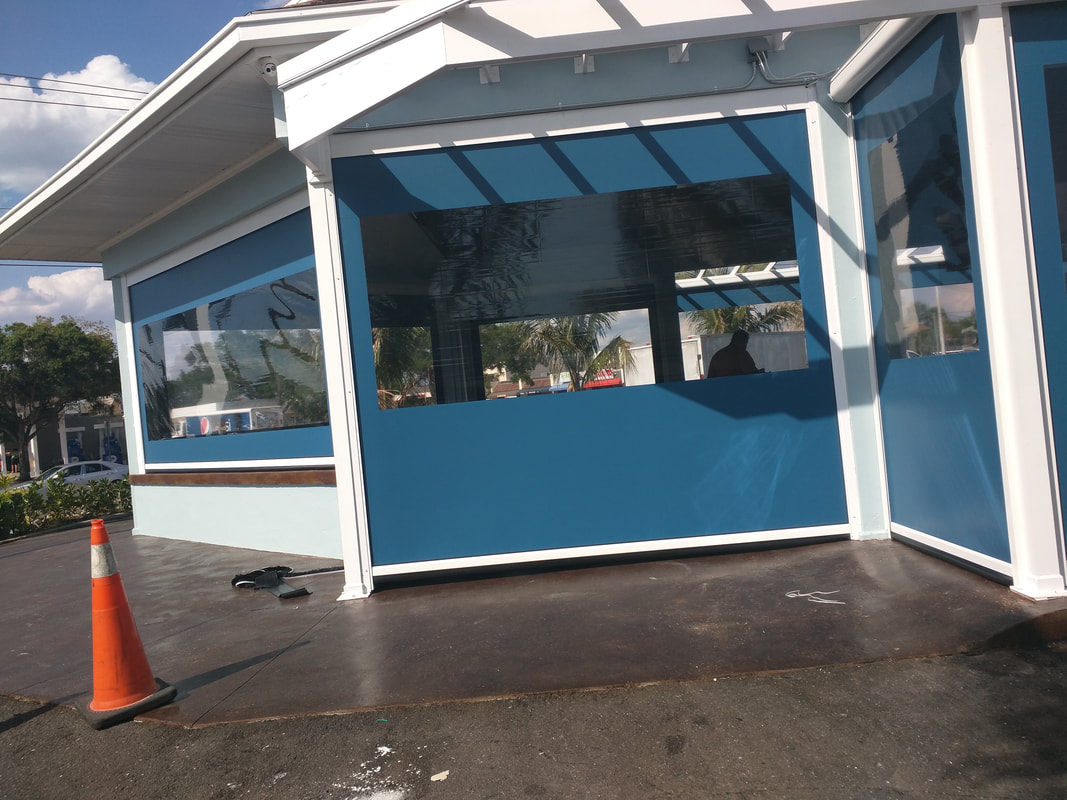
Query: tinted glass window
{"points": [[246, 362], [907, 133], [589, 292]]}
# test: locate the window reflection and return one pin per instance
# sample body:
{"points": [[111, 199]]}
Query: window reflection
{"points": [[250, 361], [917, 198], [580, 293]]}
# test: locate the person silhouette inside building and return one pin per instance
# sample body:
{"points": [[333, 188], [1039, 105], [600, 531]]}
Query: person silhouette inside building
{"points": [[734, 359]]}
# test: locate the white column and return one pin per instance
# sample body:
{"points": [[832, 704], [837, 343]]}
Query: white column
{"points": [[1013, 321], [340, 381]]}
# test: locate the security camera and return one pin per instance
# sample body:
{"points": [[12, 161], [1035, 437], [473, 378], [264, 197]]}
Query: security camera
{"points": [[268, 69]]}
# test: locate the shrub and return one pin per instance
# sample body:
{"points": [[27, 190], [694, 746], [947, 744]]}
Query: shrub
{"points": [[27, 510]]}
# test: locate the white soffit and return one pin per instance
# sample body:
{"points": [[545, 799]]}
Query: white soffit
{"points": [[212, 115]]}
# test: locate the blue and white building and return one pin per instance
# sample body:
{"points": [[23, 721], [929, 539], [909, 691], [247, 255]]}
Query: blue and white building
{"points": [[330, 186]]}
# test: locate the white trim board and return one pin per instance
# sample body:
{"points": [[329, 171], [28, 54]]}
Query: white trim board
{"points": [[567, 122], [224, 466], [624, 548], [989, 563]]}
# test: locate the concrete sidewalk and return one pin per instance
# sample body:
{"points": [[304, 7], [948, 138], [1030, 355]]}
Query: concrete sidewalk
{"points": [[240, 655]]}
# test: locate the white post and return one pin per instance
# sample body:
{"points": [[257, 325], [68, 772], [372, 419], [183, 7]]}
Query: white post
{"points": [[340, 379], [1013, 320]]}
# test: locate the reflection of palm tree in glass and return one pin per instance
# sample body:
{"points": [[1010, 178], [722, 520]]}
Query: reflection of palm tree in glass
{"points": [[402, 361], [572, 344], [788, 315]]}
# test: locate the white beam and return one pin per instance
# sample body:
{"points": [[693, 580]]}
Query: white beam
{"points": [[315, 107], [1012, 314], [370, 35]]}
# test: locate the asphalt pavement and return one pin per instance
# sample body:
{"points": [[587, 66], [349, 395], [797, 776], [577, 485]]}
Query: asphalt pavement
{"points": [[711, 676]]}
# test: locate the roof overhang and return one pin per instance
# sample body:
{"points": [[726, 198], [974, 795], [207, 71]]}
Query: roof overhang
{"points": [[220, 111], [209, 119]]}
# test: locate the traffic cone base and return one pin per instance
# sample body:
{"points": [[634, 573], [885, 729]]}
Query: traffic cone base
{"points": [[123, 684], [105, 719]]}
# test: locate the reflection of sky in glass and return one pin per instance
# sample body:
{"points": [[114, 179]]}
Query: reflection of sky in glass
{"points": [[630, 325], [956, 301]]}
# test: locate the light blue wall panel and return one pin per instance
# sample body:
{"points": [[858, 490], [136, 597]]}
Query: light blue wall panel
{"points": [[301, 520], [274, 178], [850, 277], [621, 77]]}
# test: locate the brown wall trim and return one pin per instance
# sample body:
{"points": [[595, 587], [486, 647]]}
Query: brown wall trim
{"points": [[325, 476]]}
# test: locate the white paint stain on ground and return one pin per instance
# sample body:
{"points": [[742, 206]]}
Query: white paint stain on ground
{"points": [[385, 777]]}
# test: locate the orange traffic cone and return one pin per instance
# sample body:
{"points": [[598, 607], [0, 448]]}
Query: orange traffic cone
{"points": [[123, 685]]}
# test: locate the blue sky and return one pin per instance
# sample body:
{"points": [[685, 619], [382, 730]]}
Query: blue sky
{"points": [[67, 40]]}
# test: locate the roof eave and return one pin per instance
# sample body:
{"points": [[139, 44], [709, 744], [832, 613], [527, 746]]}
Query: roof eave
{"points": [[294, 29]]}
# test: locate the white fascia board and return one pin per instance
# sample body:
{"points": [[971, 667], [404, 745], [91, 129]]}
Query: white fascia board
{"points": [[568, 121], [315, 107], [156, 110], [368, 36]]}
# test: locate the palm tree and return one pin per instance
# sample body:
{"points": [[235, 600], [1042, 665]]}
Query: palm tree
{"points": [[788, 315], [572, 344], [401, 362]]}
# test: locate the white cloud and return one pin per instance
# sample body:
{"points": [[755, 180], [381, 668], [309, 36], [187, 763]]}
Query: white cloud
{"points": [[80, 293], [39, 137]]}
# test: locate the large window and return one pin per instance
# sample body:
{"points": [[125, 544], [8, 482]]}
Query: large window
{"points": [[907, 134], [230, 353], [587, 292], [249, 361]]}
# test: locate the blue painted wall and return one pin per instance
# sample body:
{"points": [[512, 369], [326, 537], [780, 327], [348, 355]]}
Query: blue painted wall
{"points": [[642, 463], [938, 418]]}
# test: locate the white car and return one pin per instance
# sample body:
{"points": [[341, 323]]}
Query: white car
{"points": [[79, 473]]}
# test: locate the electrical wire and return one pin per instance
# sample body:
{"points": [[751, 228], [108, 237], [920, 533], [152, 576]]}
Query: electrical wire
{"points": [[60, 103], [138, 93], [69, 91], [72, 83], [800, 79], [46, 265]]}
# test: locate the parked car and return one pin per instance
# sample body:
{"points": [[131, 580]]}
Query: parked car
{"points": [[79, 473]]}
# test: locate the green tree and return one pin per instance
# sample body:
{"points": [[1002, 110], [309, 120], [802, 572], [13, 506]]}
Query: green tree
{"points": [[572, 344], [44, 367], [504, 347]]}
